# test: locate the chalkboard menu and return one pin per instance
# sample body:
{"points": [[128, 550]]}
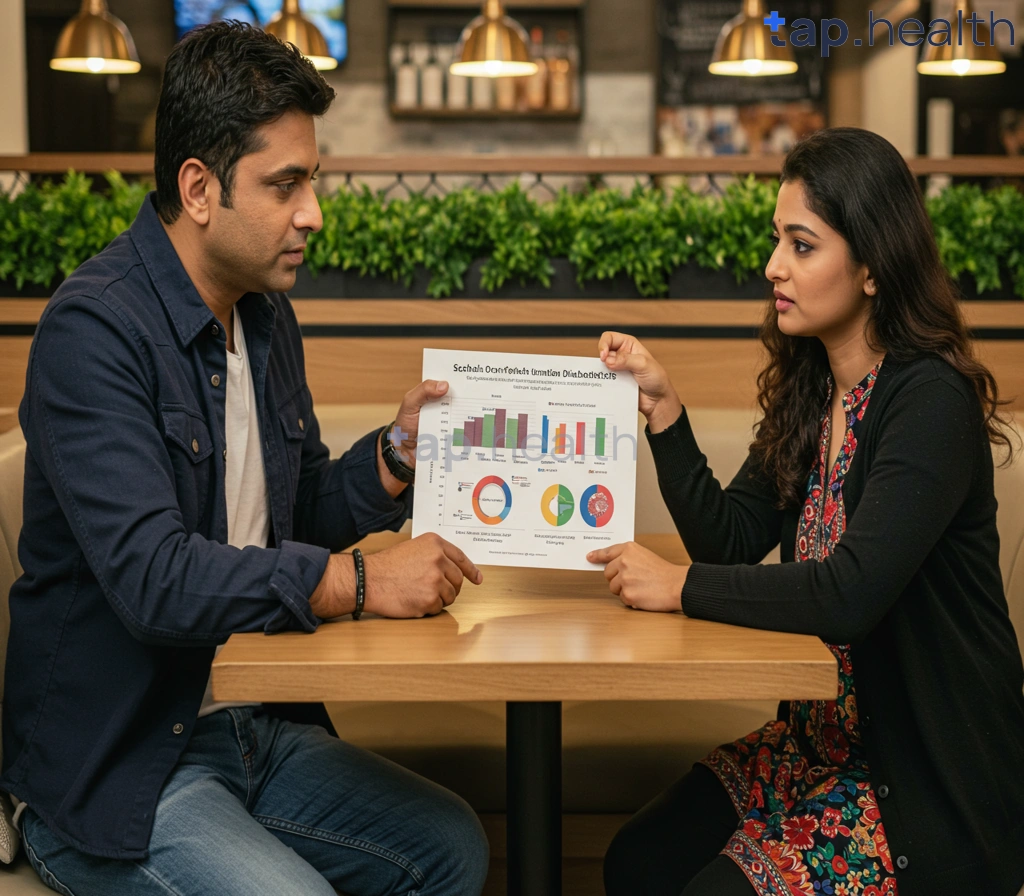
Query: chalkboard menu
{"points": [[688, 30]]}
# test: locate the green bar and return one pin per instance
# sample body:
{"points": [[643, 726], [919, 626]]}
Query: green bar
{"points": [[511, 433], [488, 440], [599, 438], [458, 440]]}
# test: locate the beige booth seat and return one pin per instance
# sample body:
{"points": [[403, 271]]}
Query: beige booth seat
{"points": [[616, 755]]}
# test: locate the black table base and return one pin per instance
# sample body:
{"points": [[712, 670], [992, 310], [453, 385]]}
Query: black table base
{"points": [[533, 751]]}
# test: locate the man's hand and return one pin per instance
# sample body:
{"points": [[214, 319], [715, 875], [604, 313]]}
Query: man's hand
{"points": [[416, 578], [642, 579], [407, 420], [406, 430]]}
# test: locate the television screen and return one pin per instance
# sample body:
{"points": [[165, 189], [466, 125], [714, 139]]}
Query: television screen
{"points": [[327, 15]]}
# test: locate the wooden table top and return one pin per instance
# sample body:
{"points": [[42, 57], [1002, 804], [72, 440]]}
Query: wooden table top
{"points": [[527, 634]]}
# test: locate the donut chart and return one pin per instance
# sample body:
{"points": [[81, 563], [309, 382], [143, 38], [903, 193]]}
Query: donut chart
{"points": [[597, 506], [491, 500], [557, 505]]}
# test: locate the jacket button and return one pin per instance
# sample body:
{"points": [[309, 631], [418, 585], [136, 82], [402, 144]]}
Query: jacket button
{"points": [[302, 424], [224, 454], [883, 791], [215, 330], [902, 862], [215, 379], [195, 446], [178, 728]]}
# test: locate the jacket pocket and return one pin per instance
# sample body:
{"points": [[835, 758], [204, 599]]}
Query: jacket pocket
{"points": [[294, 414], [190, 447]]}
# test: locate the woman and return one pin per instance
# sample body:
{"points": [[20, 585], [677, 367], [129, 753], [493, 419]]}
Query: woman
{"points": [[872, 467]]}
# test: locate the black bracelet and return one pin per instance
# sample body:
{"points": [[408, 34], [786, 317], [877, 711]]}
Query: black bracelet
{"points": [[357, 558]]}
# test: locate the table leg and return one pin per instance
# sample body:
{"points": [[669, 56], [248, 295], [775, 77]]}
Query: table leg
{"points": [[533, 756]]}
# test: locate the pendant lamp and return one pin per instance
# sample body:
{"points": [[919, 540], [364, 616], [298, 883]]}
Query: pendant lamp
{"points": [[291, 26], [956, 53], [493, 45], [95, 41], [744, 46]]}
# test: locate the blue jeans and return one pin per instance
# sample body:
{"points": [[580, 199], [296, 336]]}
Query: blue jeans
{"points": [[262, 806]]}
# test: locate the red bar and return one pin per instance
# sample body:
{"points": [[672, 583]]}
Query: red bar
{"points": [[524, 420], [579, 438], [499, 428]]}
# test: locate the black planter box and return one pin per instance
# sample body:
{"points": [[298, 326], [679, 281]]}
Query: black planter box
{"points": [[28, 290], [335, 283], [689, 282], [968, 288], [695, 282]]}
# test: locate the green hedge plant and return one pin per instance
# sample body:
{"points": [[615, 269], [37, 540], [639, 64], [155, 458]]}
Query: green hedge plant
{"points": [[48, 229]]}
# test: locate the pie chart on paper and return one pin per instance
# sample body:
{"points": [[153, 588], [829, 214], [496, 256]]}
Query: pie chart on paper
{"points": [[597, 506], [557, 504]]}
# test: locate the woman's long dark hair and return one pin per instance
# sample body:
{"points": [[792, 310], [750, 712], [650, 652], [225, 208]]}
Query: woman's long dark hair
{"points": [[861, 187]]}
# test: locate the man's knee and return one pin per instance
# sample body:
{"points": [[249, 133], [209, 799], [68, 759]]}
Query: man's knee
{"points": [[463, 846], [473, 852]]}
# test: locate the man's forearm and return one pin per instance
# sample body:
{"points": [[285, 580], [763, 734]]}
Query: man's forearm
{"points": [[336, 593]]}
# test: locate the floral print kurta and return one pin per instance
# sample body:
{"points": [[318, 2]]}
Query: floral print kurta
{"points": [[809, 820]]}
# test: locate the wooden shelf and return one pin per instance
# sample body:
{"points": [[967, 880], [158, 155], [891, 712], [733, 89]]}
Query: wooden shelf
{"points": [[485, 114]]}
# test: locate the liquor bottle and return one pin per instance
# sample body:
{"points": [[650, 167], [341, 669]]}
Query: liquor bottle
{"points": [[481, 92], [432, 83], [505, 93], [560, 74], [457, 86], [537, 83], [407, 88]]}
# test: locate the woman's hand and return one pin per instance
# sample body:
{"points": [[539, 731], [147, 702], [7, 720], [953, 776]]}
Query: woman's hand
{"points": [[659, 402], [642, 579]]}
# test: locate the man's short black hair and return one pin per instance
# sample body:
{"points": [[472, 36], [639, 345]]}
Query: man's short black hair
{"points": [[221, 83]]}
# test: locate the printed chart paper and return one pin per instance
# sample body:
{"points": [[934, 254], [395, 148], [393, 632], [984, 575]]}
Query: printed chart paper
{"points": [[528, 460]]}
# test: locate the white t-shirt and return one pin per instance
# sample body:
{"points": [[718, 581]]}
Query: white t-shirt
{"points": [[245, 484]]}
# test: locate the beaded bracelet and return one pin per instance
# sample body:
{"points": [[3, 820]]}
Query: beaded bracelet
{"points": [[357, 558]]}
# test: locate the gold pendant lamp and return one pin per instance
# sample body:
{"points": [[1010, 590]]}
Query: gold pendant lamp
{"points": [[744, 46], [94, 41], [493, 45], [291, 26], [959, 55]]}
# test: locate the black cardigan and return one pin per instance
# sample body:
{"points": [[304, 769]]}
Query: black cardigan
{"points": [[914, 586]]}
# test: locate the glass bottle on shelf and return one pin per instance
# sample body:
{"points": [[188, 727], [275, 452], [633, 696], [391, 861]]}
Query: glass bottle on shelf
{"points": [[505, 93], [406, 79], [573, 54], [457, 86], [432, 83], [537, 84], [560, 74], [481, 92]]}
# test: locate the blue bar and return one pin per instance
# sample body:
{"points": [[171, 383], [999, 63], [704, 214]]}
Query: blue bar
{"points": [[544, 436]]}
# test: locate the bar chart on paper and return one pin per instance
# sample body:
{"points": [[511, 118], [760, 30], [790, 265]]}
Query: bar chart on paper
{"points": [[529, 460]]}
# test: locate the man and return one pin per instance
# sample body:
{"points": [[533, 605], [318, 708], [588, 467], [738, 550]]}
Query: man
{"points": [[176, 491]]}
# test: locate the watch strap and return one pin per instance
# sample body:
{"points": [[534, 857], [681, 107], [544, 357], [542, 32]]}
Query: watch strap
{"points": [[396, 466]]}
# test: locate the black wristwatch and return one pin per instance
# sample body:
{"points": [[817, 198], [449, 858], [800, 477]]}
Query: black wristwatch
{"points": [[396, 467]]}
